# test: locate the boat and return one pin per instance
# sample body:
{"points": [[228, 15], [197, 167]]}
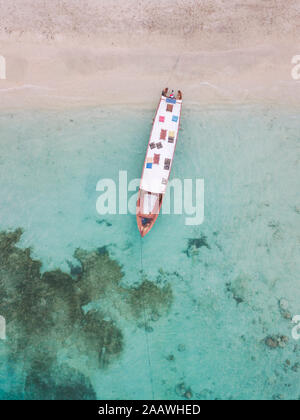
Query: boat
{"points": [[159, 159]]}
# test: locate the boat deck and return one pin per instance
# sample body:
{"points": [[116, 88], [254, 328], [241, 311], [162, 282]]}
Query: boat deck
{"points": [[161, 146]]}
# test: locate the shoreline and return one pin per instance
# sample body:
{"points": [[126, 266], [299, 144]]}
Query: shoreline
{"points": [[147, 106]]}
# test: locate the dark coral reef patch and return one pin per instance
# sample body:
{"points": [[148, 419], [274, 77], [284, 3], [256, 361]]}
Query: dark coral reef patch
{"points": [[47, 314], [57, 382], [194, 245]]}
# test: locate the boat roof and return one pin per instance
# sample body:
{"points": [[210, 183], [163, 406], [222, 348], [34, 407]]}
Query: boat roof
{"points": [[161, 147]]}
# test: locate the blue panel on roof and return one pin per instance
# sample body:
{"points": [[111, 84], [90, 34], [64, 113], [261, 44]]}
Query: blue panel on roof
{"points": [[171, 101], [175, 118], [149, 165]]}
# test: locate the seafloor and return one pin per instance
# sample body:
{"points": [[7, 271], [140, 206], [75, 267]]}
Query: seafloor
{"points": [[210, 315]]}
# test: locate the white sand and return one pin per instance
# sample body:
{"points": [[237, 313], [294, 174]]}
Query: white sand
{"points": [[93, 52]]}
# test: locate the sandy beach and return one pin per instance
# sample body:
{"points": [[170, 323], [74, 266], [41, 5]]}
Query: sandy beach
{"points": [[67, 53]]}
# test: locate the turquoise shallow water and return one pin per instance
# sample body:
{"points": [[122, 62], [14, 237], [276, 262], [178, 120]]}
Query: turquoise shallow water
{"points": [[221, 282]]}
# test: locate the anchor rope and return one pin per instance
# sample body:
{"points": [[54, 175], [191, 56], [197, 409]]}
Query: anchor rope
{"points": [[142, 266], [174, 67], [145, 323]]}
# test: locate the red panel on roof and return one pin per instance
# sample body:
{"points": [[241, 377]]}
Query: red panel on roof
{"points": [[163, 134], [156, 158]]}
